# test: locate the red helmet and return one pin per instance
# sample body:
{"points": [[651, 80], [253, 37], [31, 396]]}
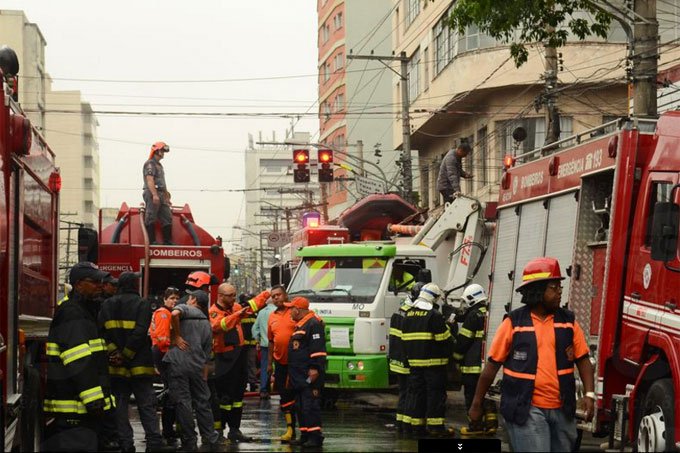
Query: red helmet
{"points": [[159, 146], [540, 269], [198, 279]]}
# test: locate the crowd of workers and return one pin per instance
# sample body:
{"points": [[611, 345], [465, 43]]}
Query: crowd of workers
{"points": [[105, 345]]}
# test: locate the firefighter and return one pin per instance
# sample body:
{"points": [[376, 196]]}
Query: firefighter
{"points": [[306, 370], [159, 331], [399, 364], [78, 391], [156, 196], [249, 343], [279, 329], [467, 352], [538, 345], [230, 356], [124, 320], [188, 359], [428, 345]]}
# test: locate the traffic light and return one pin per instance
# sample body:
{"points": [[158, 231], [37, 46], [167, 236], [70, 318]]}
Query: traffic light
{"points": [[325, 159], [301, 159]]}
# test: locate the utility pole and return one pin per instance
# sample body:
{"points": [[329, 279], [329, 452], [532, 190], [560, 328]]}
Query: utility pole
{"points": [[645, 55], [552, 115], [406, 167]]}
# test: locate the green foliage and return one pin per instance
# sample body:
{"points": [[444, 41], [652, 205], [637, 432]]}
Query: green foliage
{"points": [[519, 22]]}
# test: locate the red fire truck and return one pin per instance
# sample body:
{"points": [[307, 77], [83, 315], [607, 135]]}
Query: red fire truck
{"points": [[29, 226], [607, 208], [124, 247]]}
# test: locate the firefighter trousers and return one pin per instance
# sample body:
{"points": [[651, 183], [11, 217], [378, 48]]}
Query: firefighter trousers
{"points": [[308, 409], [281, 386], [427, 397], [73, 433], [167, 402], [142, 388], [402, 402], [230, 380], [160, 212]]}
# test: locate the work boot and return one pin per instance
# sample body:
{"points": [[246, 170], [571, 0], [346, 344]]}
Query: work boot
{"points": [[314, 441], [490, 422], [151, 232], [238, 436], [160, 448], [289, 435], [167, 235]]}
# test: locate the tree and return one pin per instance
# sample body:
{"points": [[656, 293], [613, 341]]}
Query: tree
{"points": [[519, 22]]}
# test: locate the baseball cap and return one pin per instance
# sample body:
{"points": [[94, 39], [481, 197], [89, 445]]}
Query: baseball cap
{"points": [[201, 297], [86, 269], [298, 302], [110, 279]]}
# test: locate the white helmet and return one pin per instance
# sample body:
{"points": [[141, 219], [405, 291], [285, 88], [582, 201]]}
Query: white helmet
{"points": [[474, 294], [430, 293]]}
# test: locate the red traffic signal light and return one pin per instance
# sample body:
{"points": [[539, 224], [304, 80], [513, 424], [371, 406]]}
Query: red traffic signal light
{"points": [[325, 156], [301, 156]]}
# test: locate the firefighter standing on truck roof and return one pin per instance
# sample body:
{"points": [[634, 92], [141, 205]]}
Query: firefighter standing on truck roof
{"points": [[468, 353], [306, 370], [428, 344], [156, 196], [159, 331], [124, 320], [230, 356], [537, 346], [279, 330], [78, 390]]}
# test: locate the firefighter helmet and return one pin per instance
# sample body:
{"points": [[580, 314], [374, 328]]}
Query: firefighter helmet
{"points": [[158, 146], [430, 293], [198, 279], [474, 294], [540, 269]]}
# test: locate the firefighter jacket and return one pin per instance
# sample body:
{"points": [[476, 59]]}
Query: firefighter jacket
{"points": [[226, 323], [247, 327], [124, 320], [307, 349], [520, 367], [468, 346], [77, 373], [426, 338], [159, 331], [397, 355]]}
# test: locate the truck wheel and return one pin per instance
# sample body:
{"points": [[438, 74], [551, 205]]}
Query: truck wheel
{"points": [[655, 432], [31, 415]]}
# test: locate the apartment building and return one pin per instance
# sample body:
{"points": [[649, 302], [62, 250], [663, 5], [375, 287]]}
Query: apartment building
{"points": [[465, 87], [355, 100], [28, 42]]}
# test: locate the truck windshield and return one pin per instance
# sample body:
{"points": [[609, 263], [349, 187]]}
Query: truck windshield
{"points": [[342, 279]]}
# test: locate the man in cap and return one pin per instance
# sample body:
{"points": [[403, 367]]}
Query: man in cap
{"points": [[78, 391], [306, 370], [538, 345], [428, 345], [156, 196], [451, 170], [188, 358], [124, 320]]}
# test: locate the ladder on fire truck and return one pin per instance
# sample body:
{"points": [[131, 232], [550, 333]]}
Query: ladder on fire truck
{"points": [[457, 235]]}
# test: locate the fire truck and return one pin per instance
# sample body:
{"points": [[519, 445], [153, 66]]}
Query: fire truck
{"points": [[607, 209], [124, 247], [29, 227]]}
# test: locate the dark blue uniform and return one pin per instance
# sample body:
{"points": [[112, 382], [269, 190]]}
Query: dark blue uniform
{"points": [[307, 350]]}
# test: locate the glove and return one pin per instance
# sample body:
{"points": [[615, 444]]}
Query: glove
{"points": [[96, 407], [259, 301]]}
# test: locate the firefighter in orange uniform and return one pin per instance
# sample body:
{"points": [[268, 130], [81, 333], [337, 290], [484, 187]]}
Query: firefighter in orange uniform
{"points": [[160, 338], [230, 355]]}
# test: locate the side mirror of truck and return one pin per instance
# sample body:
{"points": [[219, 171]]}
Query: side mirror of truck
{"points": [[665, 224]]}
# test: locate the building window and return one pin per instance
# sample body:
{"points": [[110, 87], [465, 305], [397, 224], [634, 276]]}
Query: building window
{"points": [[327, 111], [338, 61], [339, 141], [536, 130], [325, 33], [413, 75], [444, 41], [426, 70], [337, 21], [340, 102], [326, 72], [412, 10], [481, 153], [469, 164]]}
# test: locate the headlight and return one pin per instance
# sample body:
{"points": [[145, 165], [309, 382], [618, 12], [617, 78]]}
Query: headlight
{"points": [[350, 365], [360, 365]]}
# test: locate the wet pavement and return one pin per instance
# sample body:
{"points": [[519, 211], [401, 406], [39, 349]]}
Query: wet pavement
{"points": [[359, 422]]}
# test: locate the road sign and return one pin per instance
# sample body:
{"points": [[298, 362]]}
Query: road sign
{"points": [[367, 186], [278, 238]]}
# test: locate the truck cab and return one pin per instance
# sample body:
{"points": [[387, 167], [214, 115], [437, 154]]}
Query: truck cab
{"points": [[355, 288]]}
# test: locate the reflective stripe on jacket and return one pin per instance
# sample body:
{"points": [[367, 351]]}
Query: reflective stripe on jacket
{"points": [[397, 355], [427, 339], [468, 347]]}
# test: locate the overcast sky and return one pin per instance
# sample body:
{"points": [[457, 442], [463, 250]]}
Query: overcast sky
{"points": [[197, 42]]}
